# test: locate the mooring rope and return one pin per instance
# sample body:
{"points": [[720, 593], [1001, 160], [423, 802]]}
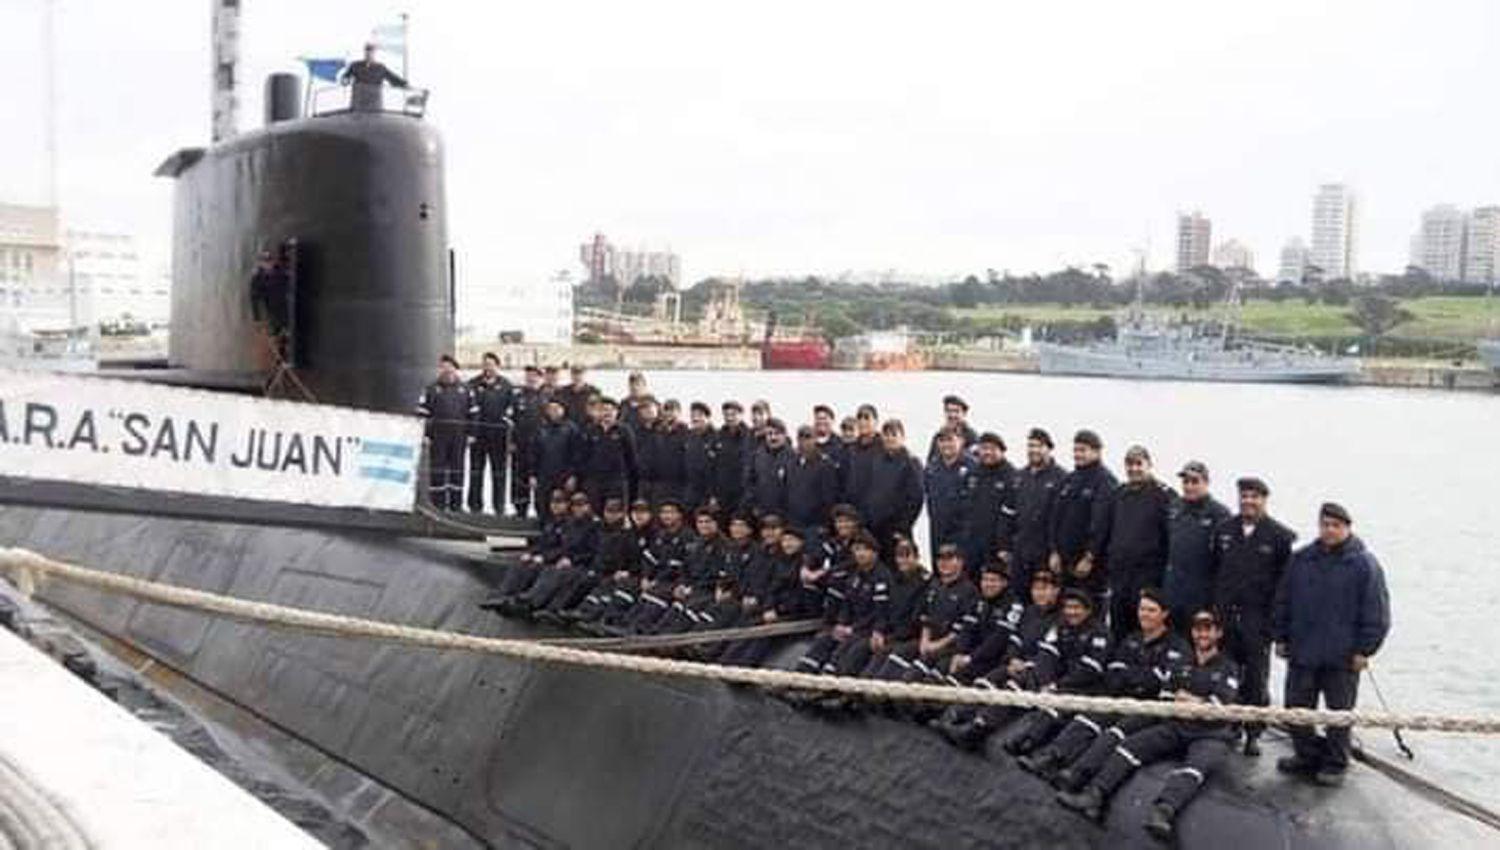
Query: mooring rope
{"points": [[30, 566]]}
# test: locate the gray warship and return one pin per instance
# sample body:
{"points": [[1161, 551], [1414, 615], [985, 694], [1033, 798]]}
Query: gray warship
{"points": [[1489, 352], [449, 749], [1146, 350]]}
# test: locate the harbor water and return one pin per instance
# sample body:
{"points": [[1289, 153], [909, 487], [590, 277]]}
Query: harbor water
{"points": [[1416, 470]]}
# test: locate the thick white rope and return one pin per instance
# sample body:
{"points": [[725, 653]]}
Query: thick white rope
{"points": [[30, 566]]}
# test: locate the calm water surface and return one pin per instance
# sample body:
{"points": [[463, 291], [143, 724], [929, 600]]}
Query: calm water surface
{"points": [[1417, 469]]}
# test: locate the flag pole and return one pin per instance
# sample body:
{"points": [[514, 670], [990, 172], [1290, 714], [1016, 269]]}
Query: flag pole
{"points": [[405, 39]]}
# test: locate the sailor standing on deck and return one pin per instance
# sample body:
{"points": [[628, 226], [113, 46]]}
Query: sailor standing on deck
{"points": [[1079, 517], [1036, 497], [367, 76], [448, 406], [526, 419], [1136, 538], [1189, 580], [493, 395], [1251, 551], [955, 419], [1332, 613]]}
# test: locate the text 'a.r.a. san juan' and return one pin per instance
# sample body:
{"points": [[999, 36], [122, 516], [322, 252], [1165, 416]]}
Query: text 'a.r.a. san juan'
{"points": [[181, 439]]}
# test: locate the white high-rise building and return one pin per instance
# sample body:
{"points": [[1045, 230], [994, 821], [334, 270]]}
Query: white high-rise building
{"points": [[1438, 247], [1335, 232], [1234, 254], [1293, 263], [107, 282], [1483, 247], [1194, 233]]}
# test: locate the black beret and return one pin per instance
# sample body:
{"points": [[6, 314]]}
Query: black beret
{"points": [[993, 439], [956, 402], [1041, 436], [1252, 484], [669, 502], [792, 531], [823, 408], [844, 509], [700, 407], [1334, 510], [999, 568], [865, 538], [733, 405], [776, 425], [1078, 594], [1088, 438], [1045, 575], [1155, 594]]}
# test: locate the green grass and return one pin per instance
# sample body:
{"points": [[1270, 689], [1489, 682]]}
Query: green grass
{"points": [[1446, 317]]}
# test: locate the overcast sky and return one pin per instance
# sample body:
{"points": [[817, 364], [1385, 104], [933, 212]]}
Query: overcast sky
{"points": [[820, 137]]}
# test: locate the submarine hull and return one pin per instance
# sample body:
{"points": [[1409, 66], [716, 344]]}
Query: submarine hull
{"points": [[527, 755], [362, 195]]}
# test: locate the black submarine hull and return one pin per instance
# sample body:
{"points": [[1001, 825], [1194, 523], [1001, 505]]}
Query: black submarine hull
{"points": [[525, 755]]}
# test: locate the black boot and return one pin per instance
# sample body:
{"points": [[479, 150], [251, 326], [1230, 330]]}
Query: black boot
{"points": [[1089, 802], [1159, 822], [1042, 763], [1296, 765], [1252, 743]]}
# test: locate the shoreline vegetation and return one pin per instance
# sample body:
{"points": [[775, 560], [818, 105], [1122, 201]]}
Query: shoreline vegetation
{"points": [[1410, 315]]}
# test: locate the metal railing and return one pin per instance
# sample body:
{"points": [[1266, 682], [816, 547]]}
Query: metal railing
{"points": [[339, 99]]}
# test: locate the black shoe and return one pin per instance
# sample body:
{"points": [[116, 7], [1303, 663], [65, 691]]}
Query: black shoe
{"points": [[1252, 745], [1066, 780], [1040, 763], [1296, 765], [1159, 822], [548, 616], [495, 603], [971, 736], [1332, 777], [1089, 802]]}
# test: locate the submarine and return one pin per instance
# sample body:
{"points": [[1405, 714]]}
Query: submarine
{"points": [[502, 752]]}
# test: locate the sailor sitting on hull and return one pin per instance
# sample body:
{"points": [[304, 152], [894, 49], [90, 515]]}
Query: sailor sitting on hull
{"points": [[1209, 677], [1139, 668]]}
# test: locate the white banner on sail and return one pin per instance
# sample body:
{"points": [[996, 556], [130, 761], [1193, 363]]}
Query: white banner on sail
{"points": [[86, 430]]}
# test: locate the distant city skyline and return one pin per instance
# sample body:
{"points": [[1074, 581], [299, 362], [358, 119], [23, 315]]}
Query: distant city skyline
{"points": [[931, 160]]}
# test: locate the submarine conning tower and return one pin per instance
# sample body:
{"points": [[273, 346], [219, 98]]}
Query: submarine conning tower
{"points": [[352, 199]]}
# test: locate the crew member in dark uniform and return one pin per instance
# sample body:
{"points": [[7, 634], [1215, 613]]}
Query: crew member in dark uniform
{"points": [[672, 436], [1251, 551], [556, 454], [1189, 582], [526, 418], [765, 478], [609, 458], [1037, 485], [698, 456], [367, 76], [955, 419], [577, 395], [270, 287], [1332, 613], [861, 454], [893, 500], [447, 405], [732, 449], [825, 428], [491, 431], [989, 503], [1080, 516], [812, 487], [1203, 744], [947, 482], [1136, 536]]}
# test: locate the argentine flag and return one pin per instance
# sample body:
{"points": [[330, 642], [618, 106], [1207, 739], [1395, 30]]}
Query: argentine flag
{"points": [[387, 461], [389, 38]]}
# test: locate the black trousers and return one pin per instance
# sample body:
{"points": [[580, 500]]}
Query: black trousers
{"points": [[445, 471], [1103, 735], [1202, 752], [487, 450], [1248, 642], [520, 478], [1339, 687]]}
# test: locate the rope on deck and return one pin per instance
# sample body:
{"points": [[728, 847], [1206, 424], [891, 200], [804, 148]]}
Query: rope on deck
{"points": [[29, 567]]}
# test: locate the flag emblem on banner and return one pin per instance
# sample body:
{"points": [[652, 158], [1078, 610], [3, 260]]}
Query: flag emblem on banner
{"points": [[384, 461]]}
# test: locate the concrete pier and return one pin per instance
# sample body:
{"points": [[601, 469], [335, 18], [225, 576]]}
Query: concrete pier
{"points": [[78, 771]]}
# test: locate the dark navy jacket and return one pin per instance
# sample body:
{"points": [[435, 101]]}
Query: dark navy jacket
{"points": [[1332, 605], [699, 451], [1080, 517], [989, 505], [1036, 494], [765, 479], [812, 489], [731, 456], [945, 498], [555, 450], [1191, 565], [892, 499]]}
